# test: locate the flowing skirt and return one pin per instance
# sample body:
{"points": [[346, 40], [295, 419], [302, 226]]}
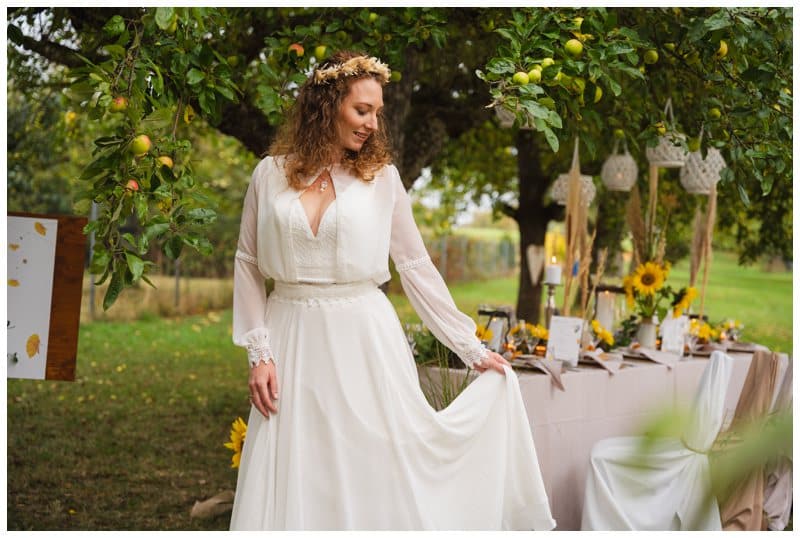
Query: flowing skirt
{"points": [[355, 444]]}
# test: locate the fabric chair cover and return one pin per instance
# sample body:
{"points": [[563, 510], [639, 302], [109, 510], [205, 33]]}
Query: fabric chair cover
{"points": [[778, 490], [668, 487], [742, 509]]}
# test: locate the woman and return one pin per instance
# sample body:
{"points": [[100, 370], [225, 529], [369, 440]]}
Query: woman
{"points": [[340, 435]]}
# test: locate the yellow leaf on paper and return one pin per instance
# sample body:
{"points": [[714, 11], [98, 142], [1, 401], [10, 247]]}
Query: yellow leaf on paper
{"points": [[32, 346], [13, 282], [39, 227], [13, 246]]}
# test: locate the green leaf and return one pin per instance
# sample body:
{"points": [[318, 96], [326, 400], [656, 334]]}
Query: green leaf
{"points": [[155, 230], [552, 139], [15, 34], [743, 195], [500, 66], [100, 259], [172, 248], [114, 26], [227, 93], [164, 17], [202, 215], [718, 20], [115, 51], [114, 288], [194, 76], [616, 89], [135, 264]]}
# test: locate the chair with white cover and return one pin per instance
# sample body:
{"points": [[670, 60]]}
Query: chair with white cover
{"points": [[669, 486]]}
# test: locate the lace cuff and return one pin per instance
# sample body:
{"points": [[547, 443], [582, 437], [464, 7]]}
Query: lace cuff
{"points": [[473, 355], [410, 264], [258, 348], [246, 257]]}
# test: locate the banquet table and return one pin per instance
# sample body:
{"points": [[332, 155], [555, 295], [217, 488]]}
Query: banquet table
{"points": [[596, 405]]}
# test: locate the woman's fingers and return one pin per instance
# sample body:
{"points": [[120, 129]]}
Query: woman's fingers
{"points": [[264, 388]]}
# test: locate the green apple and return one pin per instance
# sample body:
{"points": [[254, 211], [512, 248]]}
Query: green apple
{"points": [[319, 52], [118, 104], [132, 185], [619, 133], [714, 113], [373, 16], [396, 76], [141, 145], [669, 46], [574, 48], [297, 48], [661, 128], [650, 56], [70, 117], [598, 93], [578, 21], [521, 78], [166, 160], [547, 62], [693, 144], [535, 75], [232, 60]]}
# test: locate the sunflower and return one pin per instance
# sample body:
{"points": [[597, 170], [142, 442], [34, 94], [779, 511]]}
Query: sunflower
{"points": [[238, 433], [648, 278], [484, 334], [683, 300]]}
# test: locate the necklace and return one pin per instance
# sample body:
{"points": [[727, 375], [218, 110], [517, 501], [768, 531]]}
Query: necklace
{"points": [[323, 185]]}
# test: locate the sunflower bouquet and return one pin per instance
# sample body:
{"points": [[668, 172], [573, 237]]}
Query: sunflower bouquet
{"points": [[648, 295], [603, 339], [703, 332], [524, 337]]}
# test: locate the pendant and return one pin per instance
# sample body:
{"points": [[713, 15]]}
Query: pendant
{"points": [[323, 185]]}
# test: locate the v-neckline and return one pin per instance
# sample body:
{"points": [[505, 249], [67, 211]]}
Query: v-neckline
{"points": [[307, 219]]}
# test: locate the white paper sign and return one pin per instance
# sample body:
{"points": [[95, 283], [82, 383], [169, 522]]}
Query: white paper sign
{"points": [[564, 340], [31, 261], [673, 331]]}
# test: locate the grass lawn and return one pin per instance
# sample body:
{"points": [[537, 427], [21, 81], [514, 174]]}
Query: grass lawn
{"points": [[137, 438]]}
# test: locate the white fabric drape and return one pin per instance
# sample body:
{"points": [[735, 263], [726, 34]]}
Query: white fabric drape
{"points": [[668, 486]]}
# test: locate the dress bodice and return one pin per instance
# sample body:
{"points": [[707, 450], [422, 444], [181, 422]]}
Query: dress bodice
{"points": [[315, 256]]}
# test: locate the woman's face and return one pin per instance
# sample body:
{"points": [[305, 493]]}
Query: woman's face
{"points": [[358, 113]]}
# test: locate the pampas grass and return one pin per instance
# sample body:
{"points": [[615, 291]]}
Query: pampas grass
{"points": [[633, 215], [711, 215], [697, 248]]}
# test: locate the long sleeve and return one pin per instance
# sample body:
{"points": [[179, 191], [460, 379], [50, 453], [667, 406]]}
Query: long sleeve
{"points": [[249, 292], [425, 287]]}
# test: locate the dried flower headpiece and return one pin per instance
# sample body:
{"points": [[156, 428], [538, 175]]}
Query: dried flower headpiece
{"points": [[360, 65]]}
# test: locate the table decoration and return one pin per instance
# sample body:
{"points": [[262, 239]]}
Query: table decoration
{"points": [[549, 367], [564, 339], [523, 339], [612, 362]]}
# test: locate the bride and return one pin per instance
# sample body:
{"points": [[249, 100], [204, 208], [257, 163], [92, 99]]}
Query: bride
{"points": [[340, 435]]}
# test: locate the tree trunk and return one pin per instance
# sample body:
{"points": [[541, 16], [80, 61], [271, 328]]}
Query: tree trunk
{"points": [[532, 216]]}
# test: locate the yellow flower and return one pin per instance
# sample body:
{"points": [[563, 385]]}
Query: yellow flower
{"points": [[648, 278], [238, 434], [627, 283], [538, 331], [689, 295], [484, 333]]}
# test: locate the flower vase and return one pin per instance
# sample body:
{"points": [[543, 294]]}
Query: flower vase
{"points": [[646, 334]]}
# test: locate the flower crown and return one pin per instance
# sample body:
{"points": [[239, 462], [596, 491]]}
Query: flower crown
{"points": [[360, 65]]}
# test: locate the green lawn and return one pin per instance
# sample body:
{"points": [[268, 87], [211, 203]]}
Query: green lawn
{"points": [[137, 438]]}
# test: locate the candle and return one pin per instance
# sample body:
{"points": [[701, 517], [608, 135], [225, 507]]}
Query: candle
{"points": [[604, 310], [552, 273]]}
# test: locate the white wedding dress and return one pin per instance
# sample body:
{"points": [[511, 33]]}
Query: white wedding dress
{"points": [[355, 444]]}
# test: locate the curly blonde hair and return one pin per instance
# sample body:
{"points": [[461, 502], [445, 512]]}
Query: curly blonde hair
{"points": [[308, 137]]}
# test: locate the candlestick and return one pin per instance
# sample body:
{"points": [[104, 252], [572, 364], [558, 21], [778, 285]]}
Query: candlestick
{"points": [[550, 305], [552, 273]]}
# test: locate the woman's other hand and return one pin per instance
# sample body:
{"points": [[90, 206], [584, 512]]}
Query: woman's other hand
{"points": [[492, 361], [263, 386]]}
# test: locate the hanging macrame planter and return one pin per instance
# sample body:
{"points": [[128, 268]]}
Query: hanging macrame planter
{"points": [[699, 175], [619, 171], [561, 189], [668, 153]]}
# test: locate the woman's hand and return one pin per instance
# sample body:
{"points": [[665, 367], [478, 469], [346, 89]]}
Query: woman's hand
{"points": [[492, 361], [264, 387]]}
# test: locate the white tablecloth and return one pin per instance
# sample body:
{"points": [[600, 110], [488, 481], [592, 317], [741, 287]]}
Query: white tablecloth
{"points": [[597, 405]]}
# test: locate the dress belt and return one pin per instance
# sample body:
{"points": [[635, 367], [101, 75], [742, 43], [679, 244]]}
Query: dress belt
{"points": [[302, 290]]}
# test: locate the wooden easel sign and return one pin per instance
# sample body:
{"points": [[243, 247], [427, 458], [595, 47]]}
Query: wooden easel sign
{"points": [[45, 278]]}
